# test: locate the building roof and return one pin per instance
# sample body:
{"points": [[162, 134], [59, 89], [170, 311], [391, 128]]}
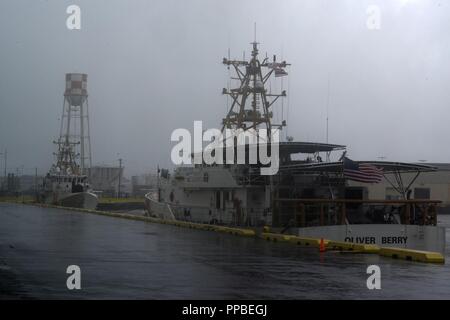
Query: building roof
{"points": [[440, 166], [308, 147]]}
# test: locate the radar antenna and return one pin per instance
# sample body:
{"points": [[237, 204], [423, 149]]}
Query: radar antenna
{"points": [[258, 112]]}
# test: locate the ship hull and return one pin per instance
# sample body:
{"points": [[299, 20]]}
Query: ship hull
{"points": [[157, 209], [83, 200], [417, 237]]}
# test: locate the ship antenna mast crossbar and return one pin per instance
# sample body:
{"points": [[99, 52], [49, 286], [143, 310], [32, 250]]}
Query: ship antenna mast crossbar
{"points": [[65, 157], [252, 87]]}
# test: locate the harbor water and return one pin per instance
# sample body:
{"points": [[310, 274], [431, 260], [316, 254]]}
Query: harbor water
{"points": [[126, 259]]}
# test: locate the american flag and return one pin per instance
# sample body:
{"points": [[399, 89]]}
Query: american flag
{"points": [[280, 72], [362, 172]]}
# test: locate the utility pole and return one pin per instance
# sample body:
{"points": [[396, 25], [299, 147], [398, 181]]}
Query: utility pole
{"points": [[1, 153], [5, 155], [120, 173], [36, 184]]}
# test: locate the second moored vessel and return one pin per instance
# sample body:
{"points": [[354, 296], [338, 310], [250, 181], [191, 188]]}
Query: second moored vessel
{"points": [[66, 183]]}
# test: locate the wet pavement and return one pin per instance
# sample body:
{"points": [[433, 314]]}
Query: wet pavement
{"points": [[126, 259]]}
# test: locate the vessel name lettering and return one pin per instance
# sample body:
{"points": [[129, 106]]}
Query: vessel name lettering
{"points": [[371, 240], [365, 240], [394, 240]]}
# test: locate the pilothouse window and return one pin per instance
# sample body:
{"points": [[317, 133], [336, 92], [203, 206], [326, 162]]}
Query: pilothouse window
{"points": [[392, 194], [224, 199], [217, 199], [421, 193]]}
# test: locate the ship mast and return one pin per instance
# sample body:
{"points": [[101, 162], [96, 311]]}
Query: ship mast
{"points": [[251, 106], [65, 157]]}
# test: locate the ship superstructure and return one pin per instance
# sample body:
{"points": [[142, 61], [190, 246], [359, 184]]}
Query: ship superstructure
{"points": [[309, 195]]}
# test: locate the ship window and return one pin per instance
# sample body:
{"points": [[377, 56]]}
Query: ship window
{"points": [[205, 177], [421, 193], [226, 194], [217, 199], [392, 194]]}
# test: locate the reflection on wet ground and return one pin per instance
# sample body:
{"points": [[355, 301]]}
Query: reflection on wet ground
{"points": [[127, 259]]}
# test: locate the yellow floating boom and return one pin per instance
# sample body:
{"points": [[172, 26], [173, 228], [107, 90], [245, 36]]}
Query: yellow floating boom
{"points": [[412, 255], [349, 246], [396, 253]]}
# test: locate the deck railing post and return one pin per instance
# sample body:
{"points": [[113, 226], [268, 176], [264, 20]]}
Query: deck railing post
{"points": [[434, 215], [407, 214], [303, 215], [425, 214], [322, 220], [298, 212], [343, 213]]}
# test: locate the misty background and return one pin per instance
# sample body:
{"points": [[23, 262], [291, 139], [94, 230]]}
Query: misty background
{"points": [[154, 66]]}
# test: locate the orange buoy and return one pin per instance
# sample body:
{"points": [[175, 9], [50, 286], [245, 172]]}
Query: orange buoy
{"points": [[322, 245]]}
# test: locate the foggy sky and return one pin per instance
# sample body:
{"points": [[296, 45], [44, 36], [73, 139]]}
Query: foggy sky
{"points": [[154, 66]]}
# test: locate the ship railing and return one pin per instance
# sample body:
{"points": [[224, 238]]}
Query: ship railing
{"points": [[322, 212], [183, 212], [252, 176]]}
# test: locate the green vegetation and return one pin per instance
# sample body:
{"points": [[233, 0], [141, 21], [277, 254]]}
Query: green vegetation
{"points": [[30, 199], [18, 199], [120, 200]]}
